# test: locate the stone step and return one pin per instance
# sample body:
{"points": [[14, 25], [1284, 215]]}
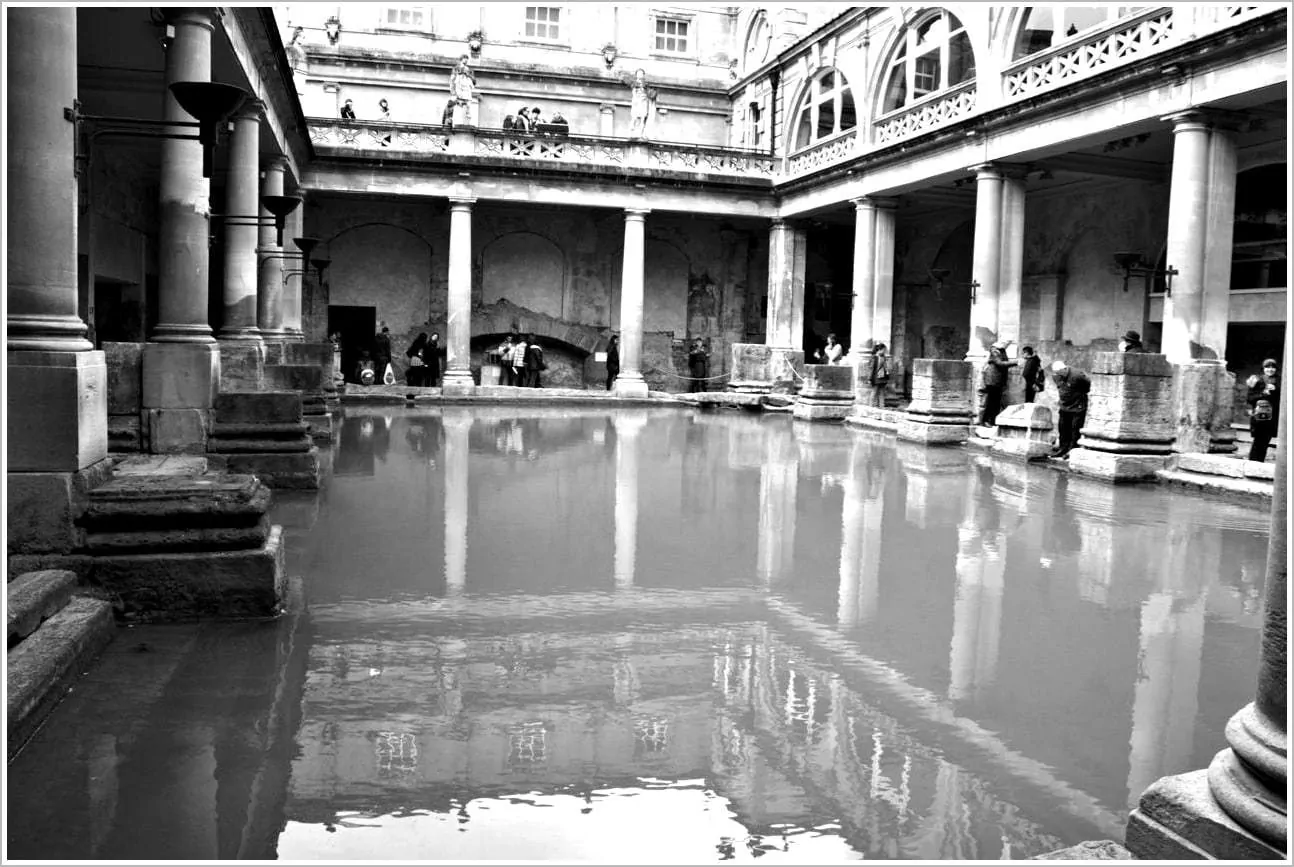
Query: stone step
{"points": [[34, 597], [261, 430], [301, 442], [161, 465], [145, 503], [42, 667], [1217, 484]]}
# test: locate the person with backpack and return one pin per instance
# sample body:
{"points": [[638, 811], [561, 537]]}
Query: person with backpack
{"points": [[878, 375], [995, 369], [1264, 400], [535, 363], [1031, 372]]}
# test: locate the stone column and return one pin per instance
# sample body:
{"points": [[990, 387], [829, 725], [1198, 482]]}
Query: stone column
{"points": [[607, 119], [1188, 224], [181, 363], [987, 267], [241, 202], [269, 278], [861, 539], [784, 330], [1011, 264], [1236, 809], [883, 272], [57, 395], [294, 288], [458, 327], [626, 509], [860, 320], [630, 381], [458, 426]]}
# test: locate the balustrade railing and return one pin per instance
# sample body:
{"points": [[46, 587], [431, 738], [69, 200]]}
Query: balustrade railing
{"points": [[926, 115], [835, 150], [542, 145]]}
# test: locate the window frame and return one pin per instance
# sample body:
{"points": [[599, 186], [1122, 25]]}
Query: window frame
{"points": [[908, 52], [689, 21], [563, 34], [385, 25], [809, 106], [1114, 12]]}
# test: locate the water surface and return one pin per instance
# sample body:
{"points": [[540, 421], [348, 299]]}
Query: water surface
{"points": [[668, 636]]}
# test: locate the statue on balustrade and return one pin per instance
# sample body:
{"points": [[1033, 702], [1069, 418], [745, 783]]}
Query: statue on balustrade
{"points": [[462, 81], [640, 100]]}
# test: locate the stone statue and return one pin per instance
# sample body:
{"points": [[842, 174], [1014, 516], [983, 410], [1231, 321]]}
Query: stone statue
{"points": [[296, 53], [639, 105], [462, 81]]}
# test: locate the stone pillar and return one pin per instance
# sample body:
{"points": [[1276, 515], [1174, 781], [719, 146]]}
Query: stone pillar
{"points": [[940, 411], [242, 202], [860, 321], [987, 267], [57, 383], [827, 393], [1188, 224], [861, 538], [181, 365], [1236, 809], [269, 278], [883, 271], [607, 119], [458, 426], [626, 509], [1128, 433], [295, 284], [630, 381], [1011, 264], [977, 608], [786, 260], [458, 326]]}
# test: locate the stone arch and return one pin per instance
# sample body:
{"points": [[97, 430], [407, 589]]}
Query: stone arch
{"points": [[384, 265], [527, 269], [879, 80]]}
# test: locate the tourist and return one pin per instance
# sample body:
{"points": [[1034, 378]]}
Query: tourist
{"points": [[535, 118], [878, 374], [384, 114], [1072, 386], [505, 361], [832, 352], [1264, 408], [613, 360], [416, 374], [432, 355], [519, 361], [698, 365], [535, 363], [348, 110], [995, 370], [1131, 342], [365, 370], [382, 350], [1031, 372], [521, 122]]}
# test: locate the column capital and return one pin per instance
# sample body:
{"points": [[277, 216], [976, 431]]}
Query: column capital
{"points": [[1186, 121], [606, 106], [863, 203], [461, 203], [276, 164], [638, 214], [200, 16], [252, 109], [987, 171]]}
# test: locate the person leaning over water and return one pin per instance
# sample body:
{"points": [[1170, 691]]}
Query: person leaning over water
{"points": [[1072, 386], [995, 369], [1264, 400]]}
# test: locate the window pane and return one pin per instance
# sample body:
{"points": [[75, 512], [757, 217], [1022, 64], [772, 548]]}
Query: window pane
{"points": [[848, 118], [826, 118], [926, 77], [553, 13], [393, 16], [1038, 32], [802, 130], [896, 92], [681, 48], [961, 60], [417, 18], [530, 28], [827, 82]]}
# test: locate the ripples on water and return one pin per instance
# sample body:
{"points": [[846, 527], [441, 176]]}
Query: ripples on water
{"points": [[664, 636]]}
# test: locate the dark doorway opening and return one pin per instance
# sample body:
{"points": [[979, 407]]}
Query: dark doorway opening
{"points": [[118, 312], [354, 327]]}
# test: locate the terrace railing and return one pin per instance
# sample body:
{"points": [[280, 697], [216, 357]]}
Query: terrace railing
{"points": [[926, 115]]}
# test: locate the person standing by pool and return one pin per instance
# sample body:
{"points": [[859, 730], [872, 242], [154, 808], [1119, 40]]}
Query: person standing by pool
{"points": [[519, 348], [698, 365], [878, 375], [1264, 408], [417, 371], [1131, 342], [1072, 386], [535, 363], [613, 360], [1031, 372], [995, 369], [382, 351], [505, 360], [431, 358]]}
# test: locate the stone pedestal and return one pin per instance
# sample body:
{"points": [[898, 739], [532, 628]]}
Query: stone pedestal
{"points": [[125, 364], [1177, 819], [180, 383], [940, 411], [242, 365], [1128, 433], [761, 369], [1202, 399], [308, 379], [42, 509], [1023, 431], [58, 410], [263, 433], [827, 393]]}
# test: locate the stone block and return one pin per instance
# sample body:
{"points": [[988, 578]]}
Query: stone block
{"points": [[125, 433], [1116, 467], [319, 355], [125, 362], [42, 508], [34, 597], [1178, 819], [1024, 430], [178, 431], [181, 375], [291, 470], [276, 351], [1148, 364], [876, 417], [1256, 470], [178, 539], [828, 382], [242, 365], [161, 465], [811, 410], [258, 407], [1197, 463], [154, 502], [322, 427], [1202, 407], [915, 429], [58, 411], [295, 377], [187, 586]]}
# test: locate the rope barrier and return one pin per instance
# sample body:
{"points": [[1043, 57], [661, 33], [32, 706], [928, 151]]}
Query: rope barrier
{"points": [[689, 378]]}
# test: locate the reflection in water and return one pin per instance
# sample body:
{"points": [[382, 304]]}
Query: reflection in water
{"points": [[664, 636]]}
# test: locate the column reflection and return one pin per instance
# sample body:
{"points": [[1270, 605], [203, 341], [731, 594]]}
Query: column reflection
{"points": [[778, 479], [862, 521], [457, 427], [626, 509], [977, 609]]}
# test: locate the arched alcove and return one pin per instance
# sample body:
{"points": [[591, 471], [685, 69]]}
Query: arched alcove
{"points": [[527, 269]]}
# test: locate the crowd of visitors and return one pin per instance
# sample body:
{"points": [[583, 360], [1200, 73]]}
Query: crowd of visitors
{"points": [[522, 361]]}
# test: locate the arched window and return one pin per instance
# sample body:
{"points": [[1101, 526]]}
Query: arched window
{"points": [[826, 109], [754, 127], [1047, 26], [758, 41], [933, 55]]}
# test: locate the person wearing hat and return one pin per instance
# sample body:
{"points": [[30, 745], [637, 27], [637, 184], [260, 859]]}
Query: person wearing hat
{"points": [[348, 110], [1264, 408], [1131, 342], [995, 369], [1072, 386]]}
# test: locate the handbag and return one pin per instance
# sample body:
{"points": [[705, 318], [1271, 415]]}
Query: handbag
{"points": [[1262, 410]]}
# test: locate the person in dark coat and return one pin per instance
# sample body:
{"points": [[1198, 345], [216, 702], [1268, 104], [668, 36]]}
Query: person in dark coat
{"points": [[613, 360], [416, 373], [1264, 408], [698, 365], [1072, 387], [1131, 342], [535, 363], [382, 351], [432, 356], [995, 369], [1031, 372]]}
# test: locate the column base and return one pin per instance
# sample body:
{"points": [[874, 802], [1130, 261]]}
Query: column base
{"points": [[1178, 819], [58, 410], [42, 508], [630, 385], [181, 375], [242, 364], [178, 431], [457, 383]]}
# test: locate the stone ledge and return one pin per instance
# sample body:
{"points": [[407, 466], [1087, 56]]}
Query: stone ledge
{"points": [[35, 597], [1090, 850], [1178, 819], [1218, 484], [40, 669]]}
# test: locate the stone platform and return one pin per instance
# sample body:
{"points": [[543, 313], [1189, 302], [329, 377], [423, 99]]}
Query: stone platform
{"points": [[265, 433], [827, 393]]}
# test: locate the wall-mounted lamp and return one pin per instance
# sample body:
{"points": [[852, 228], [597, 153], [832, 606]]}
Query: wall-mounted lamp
{"points": [[939, 275], [332, 28], [1131, 264], [475, 40], [609, 54]]}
